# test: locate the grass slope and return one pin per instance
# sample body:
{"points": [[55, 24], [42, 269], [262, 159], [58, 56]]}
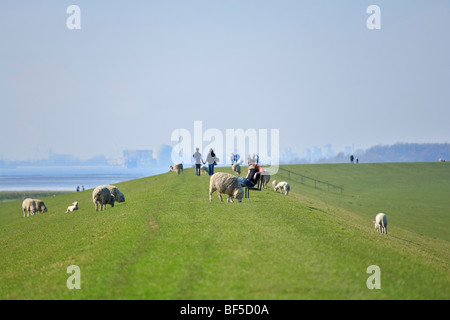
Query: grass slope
{"points": [[415, 196], [169, 242]]}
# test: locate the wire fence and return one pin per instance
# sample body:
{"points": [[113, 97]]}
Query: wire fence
{"points": [[304, 179]]}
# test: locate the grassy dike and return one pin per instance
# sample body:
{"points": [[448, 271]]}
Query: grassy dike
{"points": [[167, 241]]}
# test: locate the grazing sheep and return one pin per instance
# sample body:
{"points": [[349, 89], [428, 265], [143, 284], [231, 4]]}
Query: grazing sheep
{"points": [[282, 186], [40, 206], [227, 184], [265, 178], [236, 168], [381, 223], [178, 167], [101, 195], [120, 197], [73, 207], [29, 206], [205, 170], [441, 160]]}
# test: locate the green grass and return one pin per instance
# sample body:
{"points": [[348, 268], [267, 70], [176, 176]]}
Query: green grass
{"points": [[167, 241], [415, 196]]}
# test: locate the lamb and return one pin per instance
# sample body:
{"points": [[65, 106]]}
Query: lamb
{"points": [[178, 167], [282, 186], [227, 184], [29, 206], [73, 207], [101, 195], [120, 197], [381, 223], [40, 206], [236, 168], [205, 170]]}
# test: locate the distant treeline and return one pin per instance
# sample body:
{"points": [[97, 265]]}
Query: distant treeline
{"points": [[399, 152]]}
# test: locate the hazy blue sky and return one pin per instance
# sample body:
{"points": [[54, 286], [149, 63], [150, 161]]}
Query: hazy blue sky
{"points": [[137, 70]]}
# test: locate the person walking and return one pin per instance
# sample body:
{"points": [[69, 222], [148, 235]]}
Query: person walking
{"points": [[198, 161], [212, 160]]}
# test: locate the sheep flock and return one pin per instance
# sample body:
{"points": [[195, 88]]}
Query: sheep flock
{"points": [[223, 183]]}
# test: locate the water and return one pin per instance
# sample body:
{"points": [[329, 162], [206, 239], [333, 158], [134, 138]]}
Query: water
{"points": [[68, 178]]}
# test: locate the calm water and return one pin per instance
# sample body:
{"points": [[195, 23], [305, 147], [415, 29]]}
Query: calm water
{"points": [[67, 179]]}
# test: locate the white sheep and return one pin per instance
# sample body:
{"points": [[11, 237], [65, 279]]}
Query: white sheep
{"points": [[236, 168], [381, 223], [441, 160], [40, 206], [205, 170], [281, 186], [178, 167], [73, 207], [227, 184], [29, 206], [120, 197], [101, 195]]}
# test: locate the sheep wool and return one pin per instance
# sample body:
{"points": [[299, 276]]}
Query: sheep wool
{"points": [[101, 195], [225, 183], [236, 168], [73, 207], [265, 178], [178, 167], [281, 186], [120, 197], [40, 205], [381, 223], [29, 206]]}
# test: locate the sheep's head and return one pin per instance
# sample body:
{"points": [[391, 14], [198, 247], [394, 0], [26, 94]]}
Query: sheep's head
{"points": [[120, 197], [377, 226], [239, 194]]}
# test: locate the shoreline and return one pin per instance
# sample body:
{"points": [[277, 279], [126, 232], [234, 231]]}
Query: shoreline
{"points": [[23, 194]]}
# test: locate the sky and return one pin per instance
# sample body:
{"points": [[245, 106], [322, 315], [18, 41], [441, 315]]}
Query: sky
{"points": [[137, 71]]}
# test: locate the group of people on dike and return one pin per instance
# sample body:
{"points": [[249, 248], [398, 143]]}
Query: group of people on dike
{"points": [[254, 169], [211, 160]]}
